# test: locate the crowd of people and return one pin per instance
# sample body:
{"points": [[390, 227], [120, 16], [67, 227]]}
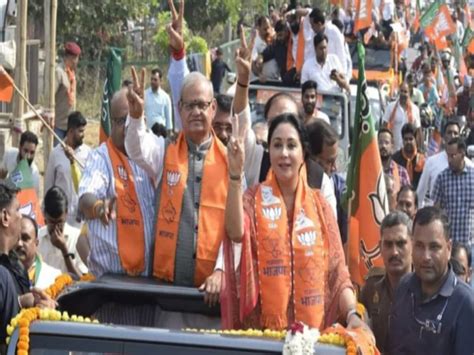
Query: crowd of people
{"points": [[187, 191]]}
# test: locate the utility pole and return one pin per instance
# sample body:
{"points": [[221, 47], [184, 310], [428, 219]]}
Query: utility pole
{"points": [[20, 70]]}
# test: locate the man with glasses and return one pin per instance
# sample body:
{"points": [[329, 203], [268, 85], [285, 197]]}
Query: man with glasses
{"points": [[190, 172], [324, 147], [116, 199], [433, 312]]}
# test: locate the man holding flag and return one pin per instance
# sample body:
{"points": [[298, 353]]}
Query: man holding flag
{"points": [[366, 193]]}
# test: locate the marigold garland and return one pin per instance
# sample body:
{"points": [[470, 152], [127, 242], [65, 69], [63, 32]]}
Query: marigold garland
{"points": [[27, 315]]}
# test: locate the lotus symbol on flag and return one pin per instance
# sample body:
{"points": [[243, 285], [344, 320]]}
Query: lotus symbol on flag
{"points": [[28, 210], [172, 178], [379, 201]]}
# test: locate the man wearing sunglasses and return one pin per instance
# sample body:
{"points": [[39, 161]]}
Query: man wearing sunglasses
{"points": [[432, 312]]}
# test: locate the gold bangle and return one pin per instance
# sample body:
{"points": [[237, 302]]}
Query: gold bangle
{"points": [[235, 177]]}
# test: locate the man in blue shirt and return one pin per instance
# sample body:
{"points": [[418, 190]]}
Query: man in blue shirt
{"points": [[432, 313], [157, 103]]}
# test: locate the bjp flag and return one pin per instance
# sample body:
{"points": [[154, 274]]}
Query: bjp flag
{"points": [[6, 86], [363, 15], [468, 40], [366, 195], [22, 177]]}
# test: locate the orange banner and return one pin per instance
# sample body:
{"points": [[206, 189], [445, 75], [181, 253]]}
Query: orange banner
{"points": [[363, 15], [6, 87]]}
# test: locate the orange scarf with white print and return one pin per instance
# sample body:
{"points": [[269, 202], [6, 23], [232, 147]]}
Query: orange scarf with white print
{"points": [[419, 163], [409, 113], [292, 263], [130, 225], [71, 92], [211, 209], [290, 62]]}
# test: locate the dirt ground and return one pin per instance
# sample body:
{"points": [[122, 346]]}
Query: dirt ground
{"points": [[91, 139]]}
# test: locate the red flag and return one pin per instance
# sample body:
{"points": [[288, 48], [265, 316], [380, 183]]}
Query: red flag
{"points": [[6, 86], [363, 15]]}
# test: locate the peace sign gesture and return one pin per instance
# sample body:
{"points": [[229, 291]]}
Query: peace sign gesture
{"points": [[175, 28], [135, 94], [235, 148], [243, 57]]}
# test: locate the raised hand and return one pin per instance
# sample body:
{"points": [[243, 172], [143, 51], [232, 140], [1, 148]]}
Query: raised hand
{"points": [[235, 149], [175, 28], [135, 94], [243, 57]]}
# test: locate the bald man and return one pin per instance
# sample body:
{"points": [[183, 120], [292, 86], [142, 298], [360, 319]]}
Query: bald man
{"points": [[116, 198]]}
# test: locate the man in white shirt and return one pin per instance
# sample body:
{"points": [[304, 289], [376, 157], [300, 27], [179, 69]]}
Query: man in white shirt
{"points": [[309, 98], [325, 69], [58, 171], [27, 150], [400, 112], [435, 164], [41, 274], [385, 9], [315, 22], [157, 103], [264, 36], [57, 245]]}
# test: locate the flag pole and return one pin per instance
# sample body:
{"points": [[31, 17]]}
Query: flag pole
{"points": [[48, 127], [346, 245]]}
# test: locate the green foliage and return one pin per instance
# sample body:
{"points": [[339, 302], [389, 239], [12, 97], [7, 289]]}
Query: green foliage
{"points": [[202, 14], [197, 44], [194, 44]]}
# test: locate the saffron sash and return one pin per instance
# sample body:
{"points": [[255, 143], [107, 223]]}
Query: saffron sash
{"points": [[292, 266], [130, 225], [211, 209]]}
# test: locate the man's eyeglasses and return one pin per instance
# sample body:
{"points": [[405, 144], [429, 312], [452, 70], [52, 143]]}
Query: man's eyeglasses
{"points": [[201, 105], [120, 121]]}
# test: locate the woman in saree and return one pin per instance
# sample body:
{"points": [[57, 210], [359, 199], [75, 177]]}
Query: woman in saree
{"points": [[292, 265]]}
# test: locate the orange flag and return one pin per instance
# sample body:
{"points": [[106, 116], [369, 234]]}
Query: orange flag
{"points": [[6, 86], [363, 15], [366, 193]]}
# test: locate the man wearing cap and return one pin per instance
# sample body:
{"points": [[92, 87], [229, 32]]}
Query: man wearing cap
{"points": [[66, 88]]}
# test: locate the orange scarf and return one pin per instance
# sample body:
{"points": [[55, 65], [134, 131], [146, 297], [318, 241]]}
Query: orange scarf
{"points": [[391, 121], [130, 227], [419, 161], [71, 92], [211, 209], [290, 63], [292, 263]]}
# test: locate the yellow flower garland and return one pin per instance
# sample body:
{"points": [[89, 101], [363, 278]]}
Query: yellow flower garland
{"points": [[23, 319]]}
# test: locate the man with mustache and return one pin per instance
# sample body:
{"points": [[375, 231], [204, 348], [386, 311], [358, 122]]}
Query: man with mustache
{"points": [[61, 161], [400, 112], [390, 167], [378, 293], [432, 312], [41, 275], [281, 51], [26, 150]]}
